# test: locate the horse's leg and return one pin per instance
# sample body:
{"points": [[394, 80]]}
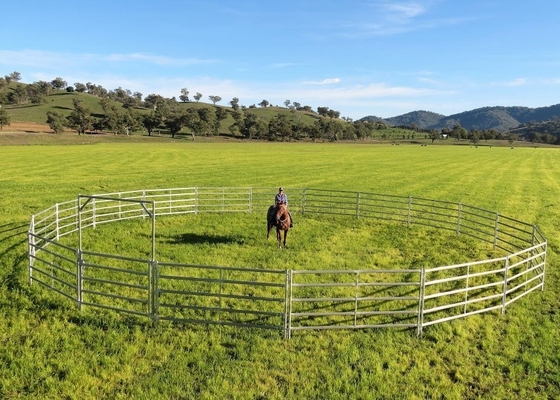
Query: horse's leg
{"points": [[285, 234], [279, 237]]}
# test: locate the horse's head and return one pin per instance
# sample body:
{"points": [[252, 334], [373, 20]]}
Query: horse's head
{"points": [[281, 214]]}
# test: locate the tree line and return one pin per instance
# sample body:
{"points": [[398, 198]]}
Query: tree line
{"points": [[125, 111], [155, 113]]}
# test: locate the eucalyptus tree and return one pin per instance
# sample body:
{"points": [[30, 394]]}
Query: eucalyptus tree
{"points": [[215, 99], [4, 118], [221, 114], [208, 117], [175, 122], [13, 77], [151, 121], [234, 103], [253, 126], [58, 83], [197, 96], [80, 87], [184, 97], [264, 103], [56, 121], [80, 118], [279, 126]]}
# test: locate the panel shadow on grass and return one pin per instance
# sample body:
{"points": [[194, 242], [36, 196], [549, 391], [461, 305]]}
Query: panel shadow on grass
{"points": [[194, 238]]}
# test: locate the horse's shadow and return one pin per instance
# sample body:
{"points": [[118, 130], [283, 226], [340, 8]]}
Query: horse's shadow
{"points": [[193, 238]]}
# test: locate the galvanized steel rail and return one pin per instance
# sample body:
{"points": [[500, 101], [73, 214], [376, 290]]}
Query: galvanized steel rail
{"points": [[286, 300]]}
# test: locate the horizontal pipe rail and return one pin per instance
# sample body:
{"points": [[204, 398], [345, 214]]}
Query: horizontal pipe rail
{"points": [[370, 298]]}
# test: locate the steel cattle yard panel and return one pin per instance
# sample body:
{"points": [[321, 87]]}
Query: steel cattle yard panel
{"points": [[285, 300]]}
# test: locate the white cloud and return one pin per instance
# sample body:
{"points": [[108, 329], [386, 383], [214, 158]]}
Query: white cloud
{"points": [[513, 83], [329, 81]]}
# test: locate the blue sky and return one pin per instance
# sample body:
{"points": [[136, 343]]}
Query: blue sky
{"points": [[359, 57]]}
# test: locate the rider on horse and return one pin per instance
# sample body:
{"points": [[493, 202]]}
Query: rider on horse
{"points": [[281, 198]]}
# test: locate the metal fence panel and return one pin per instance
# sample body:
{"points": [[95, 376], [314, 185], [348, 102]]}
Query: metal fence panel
{"points": [[289, 300]]}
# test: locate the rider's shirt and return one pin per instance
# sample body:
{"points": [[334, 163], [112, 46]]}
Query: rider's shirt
{"points": [[281, 198]]}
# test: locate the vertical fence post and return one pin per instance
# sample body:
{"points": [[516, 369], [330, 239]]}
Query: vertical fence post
{"points": [[120, 206], [496, 230], [467, 288], [409, 216], [93, 212], [153, 291], [250, 200], [80, 222], [504, 295], [288, 304], [421, 301], [56, 221], [143, 209], [460, 209], [31, 248], [544, 264], [357, 204], [356, 289], [196, 200], [79, 278]]}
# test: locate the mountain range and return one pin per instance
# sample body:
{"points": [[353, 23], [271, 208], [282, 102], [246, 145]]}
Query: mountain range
{"points": [[499, 118]]}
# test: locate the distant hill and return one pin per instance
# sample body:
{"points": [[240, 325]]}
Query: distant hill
{"points": [[499, 118]]}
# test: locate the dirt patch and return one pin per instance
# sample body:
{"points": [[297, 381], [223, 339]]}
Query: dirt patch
{"points": [[29, 127]]}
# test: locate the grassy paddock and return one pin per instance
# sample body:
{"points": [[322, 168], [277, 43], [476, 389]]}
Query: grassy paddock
{"points": [[49, 349]]}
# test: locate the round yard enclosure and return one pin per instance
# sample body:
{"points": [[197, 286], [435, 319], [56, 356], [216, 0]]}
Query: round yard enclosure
{"points": [[163, 287]]}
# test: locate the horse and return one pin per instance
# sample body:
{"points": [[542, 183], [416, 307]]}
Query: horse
{"points": [[278, 217]]}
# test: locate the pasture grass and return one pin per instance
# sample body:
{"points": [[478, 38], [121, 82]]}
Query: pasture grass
{"points": [[48, 349]]}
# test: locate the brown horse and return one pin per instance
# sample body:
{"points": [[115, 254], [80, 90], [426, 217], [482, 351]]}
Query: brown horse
{"points": [[280, 218]]}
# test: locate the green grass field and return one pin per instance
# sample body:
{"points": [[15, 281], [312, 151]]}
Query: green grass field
{"points": [[48, 349]]}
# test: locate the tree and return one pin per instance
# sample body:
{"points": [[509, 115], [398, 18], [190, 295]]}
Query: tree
{"points": [[333, 114], [221, 114], [434, 135], [234, 103], [175, 122], [80, 87], [458, 132], [323, 111], [184, 97], [264, 103], [80, 118], [154, 101], [14, 76], [253, 126], [208, 118], [511, 137], [194, 123], [287, 103], [474, 136], [215, 99], [59, 83], [197, 96], [151, 121], [36, 93], [279, 126], [19, 95], [56, 121], [4, 118]]}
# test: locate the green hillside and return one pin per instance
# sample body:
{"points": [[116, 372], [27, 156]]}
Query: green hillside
{"points": [[119, 111]]}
